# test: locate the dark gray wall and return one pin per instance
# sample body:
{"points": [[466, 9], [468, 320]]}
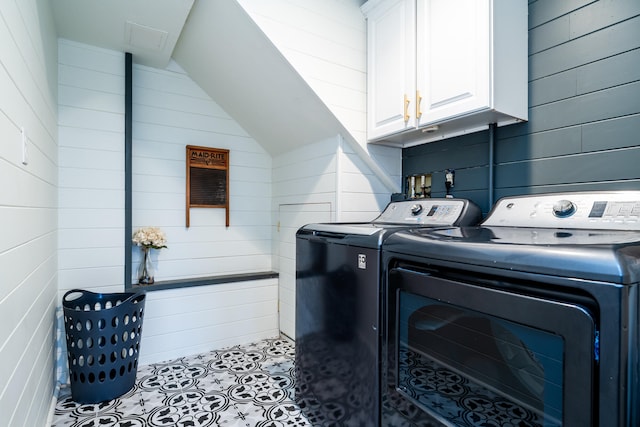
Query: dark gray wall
{"points": [[583, 131]]}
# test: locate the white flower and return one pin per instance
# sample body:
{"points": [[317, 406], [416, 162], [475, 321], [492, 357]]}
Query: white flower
{"points": [[150, 237]]}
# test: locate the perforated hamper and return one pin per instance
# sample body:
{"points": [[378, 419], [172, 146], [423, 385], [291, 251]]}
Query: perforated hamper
{"points": [[103, 341]]}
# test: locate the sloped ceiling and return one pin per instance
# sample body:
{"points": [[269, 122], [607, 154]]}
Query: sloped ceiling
{"points": [[225, 52], [148, 29], [221, 48]]}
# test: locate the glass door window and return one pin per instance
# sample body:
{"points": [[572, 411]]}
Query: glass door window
{"points": [[472, 355], [467, 365]]}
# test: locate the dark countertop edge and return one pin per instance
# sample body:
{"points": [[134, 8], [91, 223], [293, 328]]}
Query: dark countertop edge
{"points": [[202, 281]]}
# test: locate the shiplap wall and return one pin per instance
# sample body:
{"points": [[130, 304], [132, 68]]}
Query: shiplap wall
{"points": [[291, 218], [584, 110], [325, 41], [361, 194], [184, 321], [304, 191], [28, 203], [169, 112], [322, 182], [91, 155]]}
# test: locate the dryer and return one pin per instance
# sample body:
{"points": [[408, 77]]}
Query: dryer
{"points": [[528, 319]]}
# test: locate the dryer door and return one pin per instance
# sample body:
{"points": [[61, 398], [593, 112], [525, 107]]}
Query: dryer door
{"points": [[469, 355]]}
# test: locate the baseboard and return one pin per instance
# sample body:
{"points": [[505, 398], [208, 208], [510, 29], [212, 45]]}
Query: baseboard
{"points": [[52, 408]]}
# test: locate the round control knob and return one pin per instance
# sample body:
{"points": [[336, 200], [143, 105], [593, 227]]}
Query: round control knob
{"points": [[563, 208], [416, 209]]}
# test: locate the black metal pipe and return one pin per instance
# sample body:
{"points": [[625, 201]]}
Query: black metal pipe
{"points": [[492, 128], [128, 165]]}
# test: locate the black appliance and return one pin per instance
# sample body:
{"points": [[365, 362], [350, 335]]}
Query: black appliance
{"points": [[530, 319], [338, 287]]}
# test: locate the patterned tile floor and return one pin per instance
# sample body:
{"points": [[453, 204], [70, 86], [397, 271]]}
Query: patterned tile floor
{"points": [[244, 386]]}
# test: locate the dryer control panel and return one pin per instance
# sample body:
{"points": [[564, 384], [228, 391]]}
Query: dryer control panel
{"points": [[604, 210]]}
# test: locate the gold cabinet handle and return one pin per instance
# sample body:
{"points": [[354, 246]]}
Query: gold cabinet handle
{"points": [[418, 100], [406, 108]]}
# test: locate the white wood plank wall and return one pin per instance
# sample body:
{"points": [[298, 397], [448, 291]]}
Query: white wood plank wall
{"points": [[292, 217], [91, 153], [304, 191], [325, 41], [218, 316], [28, 203], [170, 111], [362, 196], [322, 182]]}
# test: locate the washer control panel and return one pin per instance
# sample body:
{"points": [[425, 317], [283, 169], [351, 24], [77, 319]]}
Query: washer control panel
{"points": [[426, 211], [612, 210]]}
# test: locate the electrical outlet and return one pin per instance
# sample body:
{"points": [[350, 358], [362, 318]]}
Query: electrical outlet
{"points": [[23, 136], [449, 176]]}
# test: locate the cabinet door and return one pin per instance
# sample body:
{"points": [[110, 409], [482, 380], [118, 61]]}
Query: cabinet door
{"points": [[391, 68], [453, 54]]}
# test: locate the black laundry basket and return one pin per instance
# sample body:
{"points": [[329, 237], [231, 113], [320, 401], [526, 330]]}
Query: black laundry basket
{"points": [[103, 342]]}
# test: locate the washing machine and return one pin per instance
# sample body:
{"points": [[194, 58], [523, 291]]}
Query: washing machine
{"points": [[338, 288]]}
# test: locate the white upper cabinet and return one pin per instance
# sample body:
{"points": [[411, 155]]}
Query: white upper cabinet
{"points": [[453, 75], [391, 67], [440, 68]]}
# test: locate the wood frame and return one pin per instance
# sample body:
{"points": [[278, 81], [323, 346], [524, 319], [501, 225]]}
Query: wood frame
{"points": [[209, 187]]}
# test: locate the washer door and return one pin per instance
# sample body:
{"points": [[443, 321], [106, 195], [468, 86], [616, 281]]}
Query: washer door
{"points": [[469, 355]]}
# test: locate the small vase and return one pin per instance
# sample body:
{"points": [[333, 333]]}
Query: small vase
{"points": [[145, 269]]}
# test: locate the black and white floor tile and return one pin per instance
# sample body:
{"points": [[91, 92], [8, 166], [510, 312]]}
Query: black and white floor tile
{"points": [[242, 386], [253, 386]]}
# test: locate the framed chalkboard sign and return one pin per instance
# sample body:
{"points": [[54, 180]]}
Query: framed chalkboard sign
{"points": [[207, 179]]}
